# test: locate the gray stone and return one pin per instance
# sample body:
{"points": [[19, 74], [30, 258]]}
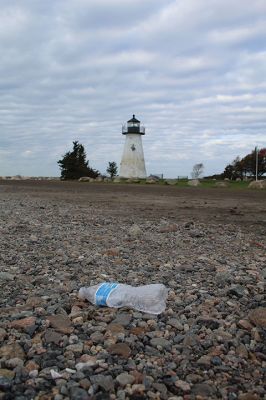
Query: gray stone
{"points": [[5, 383], [171, 182], [122, 319], [58, 397], [222, 278], [63, 390], [6, 276], [175, 323], [84, 179], [121, 395], [76, 348], [135, 230], [215, 360], [178, 339], [210, 323], [190, 340], [224, 184], [204, 360], [77, 393], [151, 181], [238, 291], [125, 379], [194, 182], [104, 381], [3, 334], [160, 387], [97, 337], [257, 184], [52, 336], [258, 317], [160, 342], [203, 389], [14, 362], [196, 233]]}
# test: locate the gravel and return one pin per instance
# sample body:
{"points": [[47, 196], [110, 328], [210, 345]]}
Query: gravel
{"points": [[209, 342]]}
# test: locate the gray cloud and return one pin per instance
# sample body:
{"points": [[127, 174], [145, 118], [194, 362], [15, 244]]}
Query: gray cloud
{"points": [[193, 72]]}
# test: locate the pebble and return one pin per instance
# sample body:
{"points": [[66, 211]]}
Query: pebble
{"points": [[60, 323], [120, 349], [175, 323], [6, 373], [204, 390], [209, 342], [12, 351], [204, 360], [245, 324], [104, 381], [168, 228], [75, 348], [135, 230], [6, 276], [51, 336], [3, 334], [5, 383], [160, 342], [82, 365], [14, 362], [184, 386], [24, 324], [123, 319], [238, 291], [77, 393], [258, 317], [125, 379]]}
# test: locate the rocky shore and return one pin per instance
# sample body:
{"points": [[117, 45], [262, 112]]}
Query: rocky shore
{"points": [[208, 344]]}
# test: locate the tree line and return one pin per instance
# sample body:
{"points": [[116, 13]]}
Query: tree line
{"points": [[74, 165], [246, 166]]}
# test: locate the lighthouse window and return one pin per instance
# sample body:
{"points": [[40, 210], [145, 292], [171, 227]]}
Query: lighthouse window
{"points": [[133, 148]]}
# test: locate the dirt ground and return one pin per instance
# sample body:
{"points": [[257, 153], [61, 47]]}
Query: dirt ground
{"points": [[244, 208], [207, 246]]}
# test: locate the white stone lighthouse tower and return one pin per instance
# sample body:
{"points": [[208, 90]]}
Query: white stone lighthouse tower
{"points": [[132, 164]]}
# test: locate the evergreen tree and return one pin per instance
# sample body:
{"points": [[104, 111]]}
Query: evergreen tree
{"points": [[73, 165], [112, 169]]}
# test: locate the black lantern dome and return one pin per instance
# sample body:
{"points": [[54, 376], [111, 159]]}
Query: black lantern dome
{"points": [[133, 126]]}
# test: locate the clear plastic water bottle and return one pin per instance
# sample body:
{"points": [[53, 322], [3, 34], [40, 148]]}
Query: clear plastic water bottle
{"points": [[149, 298]]}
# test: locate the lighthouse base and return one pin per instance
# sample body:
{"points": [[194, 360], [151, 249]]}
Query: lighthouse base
{"points": [[132, 164]]}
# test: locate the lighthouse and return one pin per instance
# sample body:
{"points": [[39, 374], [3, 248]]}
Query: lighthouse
{"points": [[132, 164]]}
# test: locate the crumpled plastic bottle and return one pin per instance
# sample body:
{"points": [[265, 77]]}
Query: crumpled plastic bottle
{"points": [[148, 298]]}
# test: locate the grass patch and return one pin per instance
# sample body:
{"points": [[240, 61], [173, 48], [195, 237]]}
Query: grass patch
{"points": [[183, 183], [209, 183]]}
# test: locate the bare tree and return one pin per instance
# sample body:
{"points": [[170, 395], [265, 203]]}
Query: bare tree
{"points": [[197, 170]]}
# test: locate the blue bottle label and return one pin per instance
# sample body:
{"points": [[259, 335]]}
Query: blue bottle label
{"points": [[103, 292]]}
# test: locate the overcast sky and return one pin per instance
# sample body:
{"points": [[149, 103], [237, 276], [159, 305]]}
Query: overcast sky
{"points": [[193, 72]]}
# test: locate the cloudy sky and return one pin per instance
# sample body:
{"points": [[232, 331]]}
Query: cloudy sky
{"points": [[193, 72]]}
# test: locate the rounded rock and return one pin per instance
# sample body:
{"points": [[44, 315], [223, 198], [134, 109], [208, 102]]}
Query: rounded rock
{"points": [[125, 379]]}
